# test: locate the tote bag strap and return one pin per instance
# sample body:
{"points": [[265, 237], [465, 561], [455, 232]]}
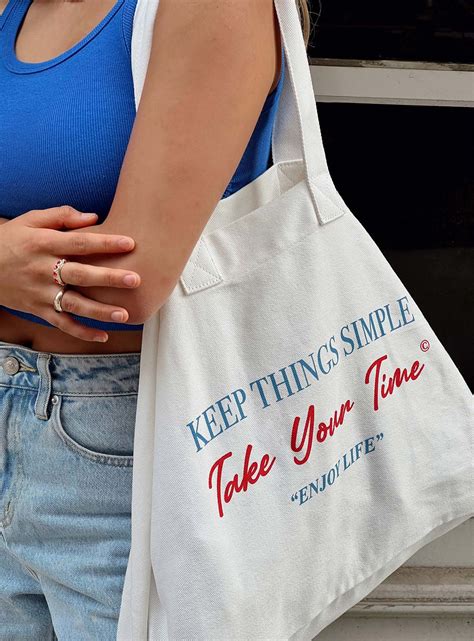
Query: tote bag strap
{"points": [[142, 37], [133, 621], [296, 131]]}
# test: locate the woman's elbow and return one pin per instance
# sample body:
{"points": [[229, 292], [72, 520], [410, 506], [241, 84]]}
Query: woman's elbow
{"points": [[148, 297]]}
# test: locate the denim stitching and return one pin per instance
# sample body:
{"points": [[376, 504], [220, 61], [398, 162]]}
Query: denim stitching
{"points": [[17, 479], [112, 459], [87, 395], [16, 346], [44, 388], [68, 393]]}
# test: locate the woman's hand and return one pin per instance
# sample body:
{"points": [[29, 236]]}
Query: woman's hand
{"points": [[29, 247]]}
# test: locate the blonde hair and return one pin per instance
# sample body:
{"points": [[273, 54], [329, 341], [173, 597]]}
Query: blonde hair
{"points": [[304, 19]]}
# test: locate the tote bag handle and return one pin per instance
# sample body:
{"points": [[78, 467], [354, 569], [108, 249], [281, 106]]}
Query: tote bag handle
{"points": [[296, 131]]}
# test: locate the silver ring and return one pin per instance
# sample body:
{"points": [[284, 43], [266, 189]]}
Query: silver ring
{"points": [[58, 299]]}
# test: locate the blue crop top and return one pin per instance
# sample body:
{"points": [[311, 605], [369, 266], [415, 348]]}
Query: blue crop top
{"points": [[65, 124]]}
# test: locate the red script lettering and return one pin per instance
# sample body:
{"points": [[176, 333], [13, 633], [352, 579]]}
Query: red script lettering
{"points": [[323, 430], [250, 474], [399, 377]]}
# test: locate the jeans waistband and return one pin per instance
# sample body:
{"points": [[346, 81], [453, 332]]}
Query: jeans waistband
{"points": [[71, 374]]}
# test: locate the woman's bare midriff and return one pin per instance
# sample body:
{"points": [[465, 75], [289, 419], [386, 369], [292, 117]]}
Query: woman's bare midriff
{"points": [[22, 331]]}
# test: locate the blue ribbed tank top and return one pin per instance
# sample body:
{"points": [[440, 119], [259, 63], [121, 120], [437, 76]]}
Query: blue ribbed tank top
{"points": [[65, 124]]}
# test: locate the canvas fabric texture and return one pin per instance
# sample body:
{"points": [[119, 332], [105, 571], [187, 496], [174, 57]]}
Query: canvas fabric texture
{"points": [[300, 430]]}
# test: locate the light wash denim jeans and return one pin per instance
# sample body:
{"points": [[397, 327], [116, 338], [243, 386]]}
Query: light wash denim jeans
{"points": [[66, 455]]}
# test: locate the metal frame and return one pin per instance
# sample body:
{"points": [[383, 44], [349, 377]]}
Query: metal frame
{"points": [[434, 591], [393, 82]]}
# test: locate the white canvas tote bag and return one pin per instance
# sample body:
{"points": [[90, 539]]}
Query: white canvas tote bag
{"points": [[300, 430]]}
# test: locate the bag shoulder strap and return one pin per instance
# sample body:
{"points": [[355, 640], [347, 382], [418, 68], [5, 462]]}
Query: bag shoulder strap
{"points": [[296, 132]]}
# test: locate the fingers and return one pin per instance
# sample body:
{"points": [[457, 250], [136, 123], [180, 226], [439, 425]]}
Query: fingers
{"points": [[68, 325], [93, 276], [74, 302], [77, 244], [63, 217], [52, 240]]}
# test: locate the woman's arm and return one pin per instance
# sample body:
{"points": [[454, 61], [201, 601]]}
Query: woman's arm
{"points": [[212, 65]]}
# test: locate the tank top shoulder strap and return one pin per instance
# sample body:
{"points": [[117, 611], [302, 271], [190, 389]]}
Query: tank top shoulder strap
{"points": [[127, 22], [9, 18]]}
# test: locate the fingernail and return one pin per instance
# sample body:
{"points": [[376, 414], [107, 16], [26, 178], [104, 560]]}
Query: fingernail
{"points": [[125, 243], [130, 279], [101, 338], [84, 213], [117, 316]]}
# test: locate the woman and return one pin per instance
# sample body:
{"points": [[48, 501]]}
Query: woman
{"points": [[71, 142]]}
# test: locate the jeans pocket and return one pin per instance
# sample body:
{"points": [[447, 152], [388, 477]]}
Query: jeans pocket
{"points": [[99, 428]]}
